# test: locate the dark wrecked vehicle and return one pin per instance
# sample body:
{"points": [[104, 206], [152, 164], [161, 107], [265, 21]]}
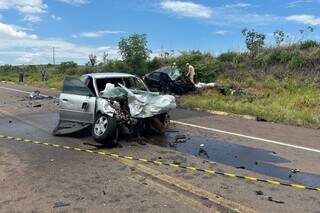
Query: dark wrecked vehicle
{"points": [[169, 79], [111, 103]]}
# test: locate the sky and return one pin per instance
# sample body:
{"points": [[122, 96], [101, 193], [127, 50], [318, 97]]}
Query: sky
{"points": [[30, 29]]}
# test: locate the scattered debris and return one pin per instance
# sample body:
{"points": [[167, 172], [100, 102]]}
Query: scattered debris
{"points": [[261, 119], [203, 152], [276, 201], [201, 85], [259, 192], [294, 171], [37, 105], [35, 95], [180, 139], [60, 204], [222, 90]]}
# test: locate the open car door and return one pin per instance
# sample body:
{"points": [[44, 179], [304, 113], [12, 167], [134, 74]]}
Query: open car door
{"points": [[77, 102]]}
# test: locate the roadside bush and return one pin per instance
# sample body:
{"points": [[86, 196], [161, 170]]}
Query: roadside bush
{"points": [[68, 64], [296, 62], [230, 56], [260, 61], [280, 55], [206, 66], [309, 44], [115, 66]]}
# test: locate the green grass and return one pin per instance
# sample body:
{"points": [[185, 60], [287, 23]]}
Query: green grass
{"points": [[33, 78], [289, 102]]}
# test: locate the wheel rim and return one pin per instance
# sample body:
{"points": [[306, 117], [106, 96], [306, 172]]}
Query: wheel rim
{"points": [[100, 126]]}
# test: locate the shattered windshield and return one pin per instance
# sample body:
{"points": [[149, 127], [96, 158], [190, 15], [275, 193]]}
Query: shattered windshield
{"points": [[135, 84], [174, 74]]}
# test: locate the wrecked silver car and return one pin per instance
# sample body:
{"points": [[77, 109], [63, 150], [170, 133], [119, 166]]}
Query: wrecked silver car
{"points": [[111, 103]]}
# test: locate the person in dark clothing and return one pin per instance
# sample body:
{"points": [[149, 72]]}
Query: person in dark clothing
{"points": [[44, 73], [21, 76]]}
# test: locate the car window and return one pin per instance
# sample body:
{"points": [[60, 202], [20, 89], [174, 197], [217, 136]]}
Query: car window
{"points": [[101, 83], [155, 76], [75, 86]]}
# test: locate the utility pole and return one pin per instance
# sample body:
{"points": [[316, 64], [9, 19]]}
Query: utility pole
{"points": [[53, 56]]}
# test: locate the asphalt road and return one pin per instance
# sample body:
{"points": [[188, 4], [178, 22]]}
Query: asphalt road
{"points": [[39, 178]]}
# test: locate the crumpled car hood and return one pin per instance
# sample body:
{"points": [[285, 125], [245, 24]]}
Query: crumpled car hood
{"points": [[142, 104]]}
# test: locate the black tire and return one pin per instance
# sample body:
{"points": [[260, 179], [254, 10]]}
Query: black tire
{"points": [[103, 134]]}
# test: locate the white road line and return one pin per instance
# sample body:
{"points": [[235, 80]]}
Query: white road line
{"points": [[16, 90], [217, 130], [21, 91], [246, 136]]}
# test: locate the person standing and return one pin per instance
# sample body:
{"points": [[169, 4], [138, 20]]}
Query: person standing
{"points": [[21, 75], [191, 72], [44, 73]]}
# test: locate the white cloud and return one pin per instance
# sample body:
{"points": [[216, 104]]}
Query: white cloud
{"points": [[24, 6], [56, 18], [221, 32], [12, 32], [75, 2], [304, 19], [19, 47], [30, 8], [187, 9], [32, 18], [294, 4], [238, 5], [230, 14], [97, 34]]}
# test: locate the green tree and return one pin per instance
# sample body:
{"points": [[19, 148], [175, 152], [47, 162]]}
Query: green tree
{"points": [[279, 37], [134, 51], [254, 40]]}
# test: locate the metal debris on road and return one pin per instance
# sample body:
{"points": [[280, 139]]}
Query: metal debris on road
{"points": [[275, 201], [172, 164], [37, 105], [35, 95], [60, 204], [259, 192], [180, 139]]}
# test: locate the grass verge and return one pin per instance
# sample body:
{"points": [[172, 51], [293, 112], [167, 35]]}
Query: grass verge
{"points": [[289, 102]]}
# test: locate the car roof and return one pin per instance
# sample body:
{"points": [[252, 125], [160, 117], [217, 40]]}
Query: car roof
{"points": [[165, 69], [109, 75]]}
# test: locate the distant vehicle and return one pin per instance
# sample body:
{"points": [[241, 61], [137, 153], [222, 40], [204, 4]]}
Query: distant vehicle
{"points": [[111, 102], [168, 79]]}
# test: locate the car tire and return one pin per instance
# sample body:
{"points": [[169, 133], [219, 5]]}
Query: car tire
{"points": [[104, 128]]}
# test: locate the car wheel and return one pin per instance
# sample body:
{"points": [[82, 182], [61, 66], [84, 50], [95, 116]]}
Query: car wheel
{"points": [[104, 128]]}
